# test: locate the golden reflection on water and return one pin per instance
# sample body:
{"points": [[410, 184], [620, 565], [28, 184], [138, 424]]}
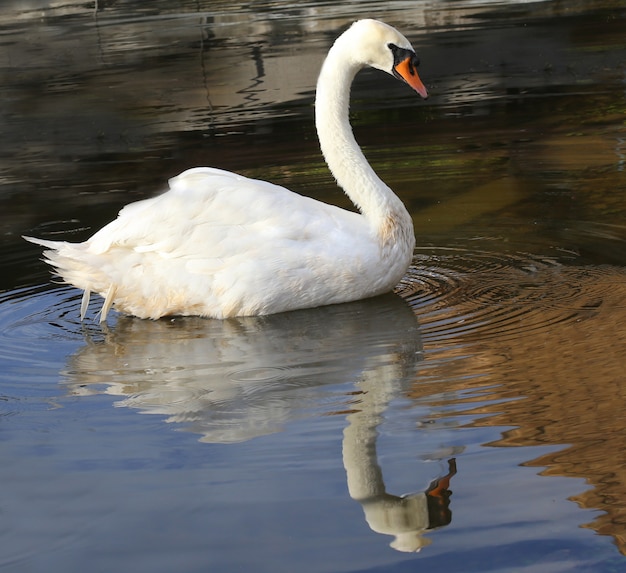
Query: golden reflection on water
{"points": [[557, 377]]}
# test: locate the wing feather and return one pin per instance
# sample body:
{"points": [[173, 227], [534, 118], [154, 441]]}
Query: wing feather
{"points": [[204, 213]]}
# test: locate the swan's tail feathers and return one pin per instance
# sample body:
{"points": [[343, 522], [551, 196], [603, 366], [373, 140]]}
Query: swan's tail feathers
{"points": [[74, 265], [52, 255], [108, 302], [43, 242], [84, 303]]}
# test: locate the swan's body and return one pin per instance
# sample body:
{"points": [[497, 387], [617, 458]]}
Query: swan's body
{"points": [[218, 244]]}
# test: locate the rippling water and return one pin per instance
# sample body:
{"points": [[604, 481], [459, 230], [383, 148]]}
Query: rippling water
{"points": [[470, 422]]}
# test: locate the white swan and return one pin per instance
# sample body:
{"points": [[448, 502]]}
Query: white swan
{"points": [[217, 244]]}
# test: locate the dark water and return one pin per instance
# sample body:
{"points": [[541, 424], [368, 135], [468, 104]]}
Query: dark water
{"points": [[477, 414]]}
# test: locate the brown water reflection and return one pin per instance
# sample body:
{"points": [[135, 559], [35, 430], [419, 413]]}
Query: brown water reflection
{"points": [[548, 352]]}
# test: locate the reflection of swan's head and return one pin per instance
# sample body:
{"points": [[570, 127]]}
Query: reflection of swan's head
{"points": [[410, 542], [406, 518]]}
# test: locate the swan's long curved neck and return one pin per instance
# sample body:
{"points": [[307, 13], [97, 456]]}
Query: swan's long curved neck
{"points": [[345, 159]]}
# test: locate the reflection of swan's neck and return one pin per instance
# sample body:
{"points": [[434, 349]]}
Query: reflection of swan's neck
{"points": [[375, 200], [406, 518]]}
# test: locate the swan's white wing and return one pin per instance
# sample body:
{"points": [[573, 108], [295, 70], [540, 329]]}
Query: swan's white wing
{"points": [[205, 211]]}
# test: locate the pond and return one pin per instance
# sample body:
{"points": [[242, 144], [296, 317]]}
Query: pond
{"points": [[471, 421]]}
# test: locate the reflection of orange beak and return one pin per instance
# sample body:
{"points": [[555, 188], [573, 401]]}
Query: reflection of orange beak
{"points": [[439, 486], [407, 71]]}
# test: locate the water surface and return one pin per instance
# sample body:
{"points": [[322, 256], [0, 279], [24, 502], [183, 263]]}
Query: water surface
{"points": [[472, 421]]}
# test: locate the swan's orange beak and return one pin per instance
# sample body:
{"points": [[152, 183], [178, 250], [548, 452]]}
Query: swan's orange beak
{"points": [[406, 70]]}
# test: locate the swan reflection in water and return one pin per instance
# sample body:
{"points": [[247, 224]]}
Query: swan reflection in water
{"points": [[236, 379]]}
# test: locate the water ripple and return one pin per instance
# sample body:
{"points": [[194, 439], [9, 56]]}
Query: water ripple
{"points": [[39, 325], [459, 293]]}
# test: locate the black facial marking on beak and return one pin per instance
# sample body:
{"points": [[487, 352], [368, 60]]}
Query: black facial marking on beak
{"points": [[401, 55], [404, 68]]}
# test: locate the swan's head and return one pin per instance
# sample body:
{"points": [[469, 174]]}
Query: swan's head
{"points": [[380, 46]]}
